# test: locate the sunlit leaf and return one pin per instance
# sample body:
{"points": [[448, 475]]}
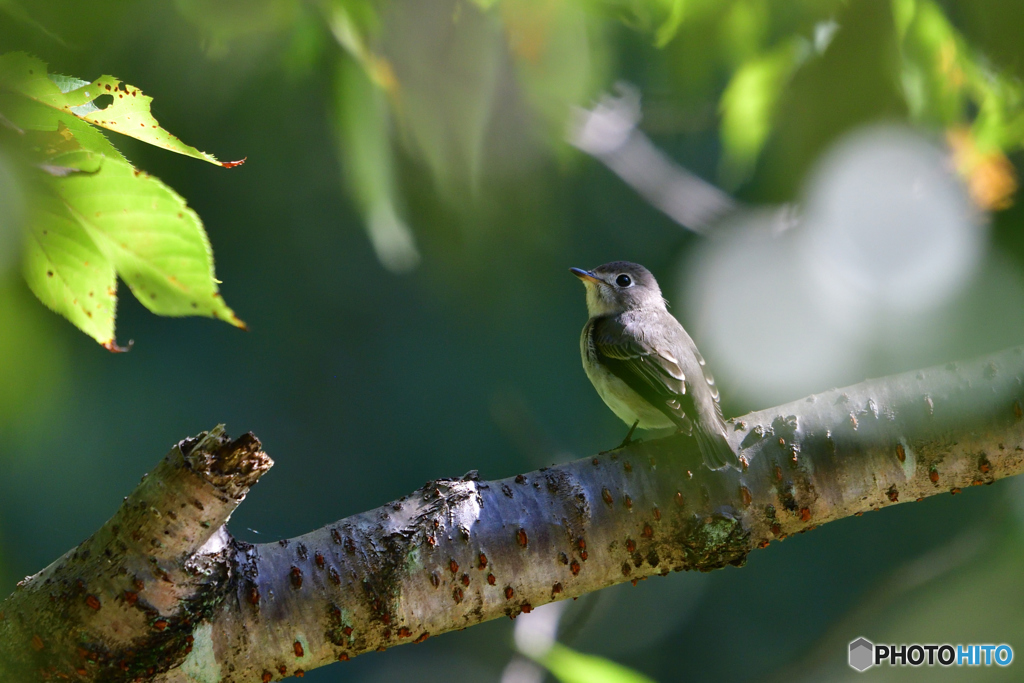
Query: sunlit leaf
{"points": [[946, 83], [127, 113], [66, 270], [306, 45], [66, 163], [446, 92], [59, 153], [903, 13], [569, 666], [353, 25], [35, 118], [1000, 120], [93, 216], [156, 243], [12, 216], [363, 82], [744, 30]]}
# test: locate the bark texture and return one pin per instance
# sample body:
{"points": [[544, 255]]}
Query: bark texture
{"points": [[162, 592]]}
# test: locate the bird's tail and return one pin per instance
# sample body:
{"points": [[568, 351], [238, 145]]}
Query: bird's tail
{"points": [[716, 449]]}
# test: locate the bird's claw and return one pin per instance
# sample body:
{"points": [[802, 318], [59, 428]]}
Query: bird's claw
{"points": [[629, 438]]}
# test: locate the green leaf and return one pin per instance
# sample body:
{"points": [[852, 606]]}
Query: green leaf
{"points": [[903, 13], [78, 161], [93, 216], [749, 102], [66, 270], [668, 30], [445, 121], [27, 75], [156, 243], [59, 152], [32, 116], [128, 113], [569, 666], [368, 160], [228, 20]]}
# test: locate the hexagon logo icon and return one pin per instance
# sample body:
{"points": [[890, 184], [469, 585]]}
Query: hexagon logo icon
{"points": [[862, 654]]}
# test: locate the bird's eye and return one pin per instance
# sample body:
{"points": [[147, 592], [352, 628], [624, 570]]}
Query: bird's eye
{"points": [[623, 280]]}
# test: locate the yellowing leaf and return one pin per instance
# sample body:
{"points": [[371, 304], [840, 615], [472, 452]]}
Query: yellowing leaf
{"points": [[990, 177]]}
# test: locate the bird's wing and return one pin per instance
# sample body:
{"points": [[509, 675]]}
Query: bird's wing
{"points": [[656, 374], [709, 379]]}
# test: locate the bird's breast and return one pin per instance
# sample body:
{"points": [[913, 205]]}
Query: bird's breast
{"points": [[628, 405]]}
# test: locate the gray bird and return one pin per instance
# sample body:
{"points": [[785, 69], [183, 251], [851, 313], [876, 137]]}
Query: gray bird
{"points": [[644, 364]]}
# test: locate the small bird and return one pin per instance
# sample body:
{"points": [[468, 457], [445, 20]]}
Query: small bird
{"points": [[644, 364]]}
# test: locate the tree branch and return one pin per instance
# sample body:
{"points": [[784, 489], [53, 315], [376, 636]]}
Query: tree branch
{"points": [[609, 133], [162, 592]]}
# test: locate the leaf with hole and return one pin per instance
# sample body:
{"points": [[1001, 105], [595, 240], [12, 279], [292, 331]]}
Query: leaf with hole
{"points": [[93, 216], [127, 113]]}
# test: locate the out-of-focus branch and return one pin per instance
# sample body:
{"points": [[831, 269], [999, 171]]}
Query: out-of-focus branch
{"points": [[609, 133], [161, 593]]}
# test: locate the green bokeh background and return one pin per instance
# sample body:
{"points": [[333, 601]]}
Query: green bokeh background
{"points": [[362, 383]]}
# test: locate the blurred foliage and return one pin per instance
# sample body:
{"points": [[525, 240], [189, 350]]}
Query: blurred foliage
{"points": [[570, 666], [90, 215], [948, 84], [452, 81], [31, 359]]}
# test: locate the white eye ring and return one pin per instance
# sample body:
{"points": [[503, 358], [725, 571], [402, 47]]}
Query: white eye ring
{"points": [[623, 280]]}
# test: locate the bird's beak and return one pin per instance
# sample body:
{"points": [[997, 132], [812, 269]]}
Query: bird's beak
{"points": [[586, 275]]}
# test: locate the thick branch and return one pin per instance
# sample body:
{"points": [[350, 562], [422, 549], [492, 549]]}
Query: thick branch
{"points": [[127, 600], [461, 551]]}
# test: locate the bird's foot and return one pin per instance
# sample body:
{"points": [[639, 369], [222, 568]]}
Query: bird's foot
{"points": [[629, 437], [625, 442]]}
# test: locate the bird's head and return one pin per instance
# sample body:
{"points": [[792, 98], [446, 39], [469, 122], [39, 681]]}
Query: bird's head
{"points": [[619, 286]]}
